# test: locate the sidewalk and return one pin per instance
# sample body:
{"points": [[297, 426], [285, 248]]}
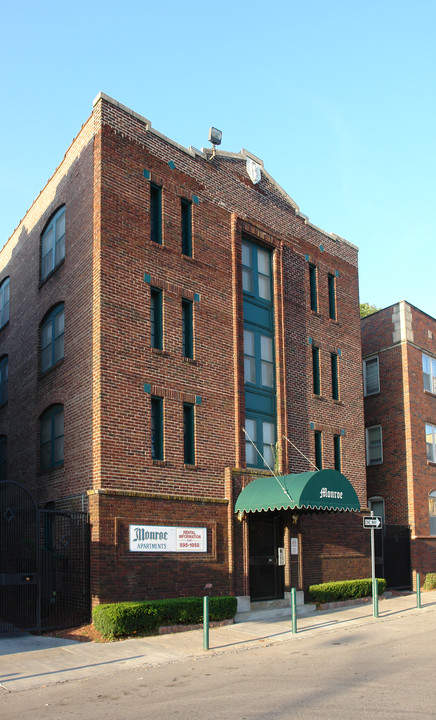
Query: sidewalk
{"points": [[29, 661]]}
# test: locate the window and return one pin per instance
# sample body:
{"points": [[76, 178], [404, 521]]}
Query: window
{"points": [[432, 512], [258, 359], [52, 338], [188, 434], [157, 428], [3, 458], [430, 440], [186, 227], [337, 452], [371, 380], [4, 379], [374, 449], [4, 302], [187, 329], [52, 437], [259, 371], [332, 296], [335, 376], [313, 287], [53, 244], [156, 318], [318, 449], [429, 373], [156, 213], [316, 371], [377, 505], [256, 271], [262, 433]]}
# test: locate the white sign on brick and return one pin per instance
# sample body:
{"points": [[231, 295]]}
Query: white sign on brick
{"points": [[160, 538]]}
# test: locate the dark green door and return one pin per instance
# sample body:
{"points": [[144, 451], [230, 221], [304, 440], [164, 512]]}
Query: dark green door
{"points": [[266, 576]]}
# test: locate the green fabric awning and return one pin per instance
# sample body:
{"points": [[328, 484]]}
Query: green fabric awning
{"points": [[319, 490]]}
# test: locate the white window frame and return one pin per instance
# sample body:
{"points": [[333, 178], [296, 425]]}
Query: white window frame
{"points": [[432, 511], [431, 374], [373, 462], [433, 433], [379, 500], [365, 388]]}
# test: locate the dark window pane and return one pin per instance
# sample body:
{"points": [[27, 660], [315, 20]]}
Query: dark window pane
{"points": [[313, 288], [332, 297], [316, 371], [187, 329], [186, 228], [156, 213], [188, 434]]}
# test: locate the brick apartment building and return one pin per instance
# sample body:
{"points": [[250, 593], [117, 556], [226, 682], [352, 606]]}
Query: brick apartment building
{"points": [[156, 301], [399, 361]]}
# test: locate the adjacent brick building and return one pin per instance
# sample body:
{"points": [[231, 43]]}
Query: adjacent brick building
{"points": [[399, 361], [156, 302]]}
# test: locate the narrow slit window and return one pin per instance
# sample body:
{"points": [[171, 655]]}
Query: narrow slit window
{"points": [[157, 428], [156, 318], [337, 452], [187, 329], [186, 208], [318, 449], [188, 434], [335, 376], [316, 371], [332, 296], [313, 287], [156, 213]]}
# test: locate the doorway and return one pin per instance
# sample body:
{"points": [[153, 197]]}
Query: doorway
{"points": [[266, 575]]}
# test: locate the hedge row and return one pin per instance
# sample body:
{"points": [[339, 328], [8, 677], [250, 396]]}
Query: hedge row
{"points": [[344, 590], [145, 617], [430, 581]]}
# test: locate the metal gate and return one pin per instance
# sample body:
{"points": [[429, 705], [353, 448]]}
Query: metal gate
{"points": [[44, 564], [19, 559], [396, 556], [392, 556]]}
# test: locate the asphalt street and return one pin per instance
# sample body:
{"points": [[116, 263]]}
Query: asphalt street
{"points": [[341, 664]]}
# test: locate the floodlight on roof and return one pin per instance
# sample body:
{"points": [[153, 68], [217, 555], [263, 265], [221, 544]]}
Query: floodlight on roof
{"points": [[215, 136]]}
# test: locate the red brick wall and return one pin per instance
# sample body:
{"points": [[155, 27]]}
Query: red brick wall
{"points": [[402, 407], [70, 382], [119, 573], [108, 358], [335, 547]]}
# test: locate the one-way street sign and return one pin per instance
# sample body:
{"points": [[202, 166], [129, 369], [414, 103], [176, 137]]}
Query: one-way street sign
{"points": [[374, 521]]}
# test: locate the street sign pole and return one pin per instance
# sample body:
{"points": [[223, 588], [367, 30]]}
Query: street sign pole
{"points": [[373, 523], [374, 587]]}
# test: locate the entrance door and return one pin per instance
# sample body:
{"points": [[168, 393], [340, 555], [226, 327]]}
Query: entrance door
{"points": [[266, 575]]}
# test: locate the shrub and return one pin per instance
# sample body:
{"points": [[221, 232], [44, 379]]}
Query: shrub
{"points": [[118, 619], [430, 581], [344, 590]]}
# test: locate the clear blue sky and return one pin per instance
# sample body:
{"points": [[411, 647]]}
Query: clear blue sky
{"points": [[338, 98]]}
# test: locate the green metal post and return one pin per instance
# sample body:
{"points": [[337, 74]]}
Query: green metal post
{"points": [[418, 590], [206, 622], [294, 609], [375, 597]]}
